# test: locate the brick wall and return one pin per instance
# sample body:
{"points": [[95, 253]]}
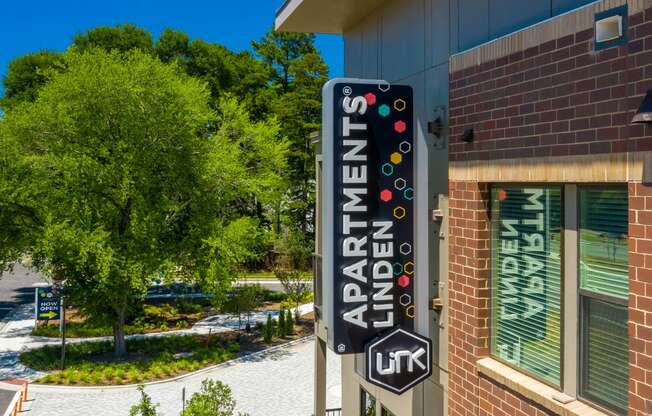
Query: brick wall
{"points": [[557, 98], [468, 293], [640, 299]]}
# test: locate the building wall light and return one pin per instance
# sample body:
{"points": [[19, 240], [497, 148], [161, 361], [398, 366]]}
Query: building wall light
{"points": [[644, 113]]}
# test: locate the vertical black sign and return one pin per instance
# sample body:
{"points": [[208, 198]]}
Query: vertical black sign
{"points": [[373, 192], [48, 303]]}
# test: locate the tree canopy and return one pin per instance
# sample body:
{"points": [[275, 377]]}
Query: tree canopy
{"points": [[120, 169]]}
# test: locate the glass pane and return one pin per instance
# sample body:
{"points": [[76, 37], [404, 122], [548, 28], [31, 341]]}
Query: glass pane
{"points": [[526, 292], [603, 241], [368, 404], [605, 360]]}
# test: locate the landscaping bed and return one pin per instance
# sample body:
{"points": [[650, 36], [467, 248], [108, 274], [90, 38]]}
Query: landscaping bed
{"points": [[148, 359]]}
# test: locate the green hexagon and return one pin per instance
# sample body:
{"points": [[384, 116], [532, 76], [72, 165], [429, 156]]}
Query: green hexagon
{"points": [[384, 110]]}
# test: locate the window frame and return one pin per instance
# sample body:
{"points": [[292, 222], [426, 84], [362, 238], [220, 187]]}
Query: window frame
{"points": [[583, 295], [562, 304], [572, 351]]}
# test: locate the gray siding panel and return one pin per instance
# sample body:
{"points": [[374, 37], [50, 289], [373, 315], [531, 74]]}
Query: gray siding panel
{"points": [[473, 23], [439, 24], [403, 39], [353, 53], [506, 16]]}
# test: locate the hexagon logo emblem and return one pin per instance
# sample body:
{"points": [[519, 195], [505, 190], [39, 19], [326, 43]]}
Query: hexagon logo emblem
{"points": [[404, 281], [398, 268], [400, 184], [399, 213], [405, 249], [371, 98], [399, 360], [400, 105], [384, 110], [408, 194], [396, 158], [388, 169], [405, 147], [385, 195], [405, 300], [409, 268], [400, 126]]}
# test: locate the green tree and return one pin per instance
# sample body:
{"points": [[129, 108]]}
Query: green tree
{"points": [[214, 399], [289, 323], [297, 76], [244, 300], [121, 38], [121, 171], [280, 329], [145, 407], [296, 287], [26, 75], [268, 330]]}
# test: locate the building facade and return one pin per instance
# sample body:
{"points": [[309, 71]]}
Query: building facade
{"points": [[533, 203]]}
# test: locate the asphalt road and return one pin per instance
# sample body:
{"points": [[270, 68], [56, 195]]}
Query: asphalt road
{"points": [[16, 288]]}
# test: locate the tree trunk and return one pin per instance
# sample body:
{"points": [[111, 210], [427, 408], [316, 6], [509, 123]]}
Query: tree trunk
{"points": [[120, 346]]}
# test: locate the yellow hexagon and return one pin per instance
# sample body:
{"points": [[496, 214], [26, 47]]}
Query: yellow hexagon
{"points": [[399, 212], [399, 105], [396, 158], [410, 311], [409, 268]]}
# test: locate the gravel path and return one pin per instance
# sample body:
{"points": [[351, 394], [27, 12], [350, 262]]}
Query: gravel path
{"points": [[270, 383]]}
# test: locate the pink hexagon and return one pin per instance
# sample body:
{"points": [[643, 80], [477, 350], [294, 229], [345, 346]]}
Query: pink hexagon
{"points": [[371, 98], [400, 126], [386, 195], [403, 281]]}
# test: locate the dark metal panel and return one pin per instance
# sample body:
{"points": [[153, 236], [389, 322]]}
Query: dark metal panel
{"points": [[507, 16], [474, 23], [562, 6]]}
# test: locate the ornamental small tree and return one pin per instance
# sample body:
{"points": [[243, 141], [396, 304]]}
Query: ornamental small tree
{"points": [[268, 330], [280, 330], [145, 407], [289, 323], [214, 399]]}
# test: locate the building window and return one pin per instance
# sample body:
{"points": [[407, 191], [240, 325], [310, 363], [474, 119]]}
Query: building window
{"points": [[367, 404], [385, 412], [604, 289], [526, 279], [527, 253]]}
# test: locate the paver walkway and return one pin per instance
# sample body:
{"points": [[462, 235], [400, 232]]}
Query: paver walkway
{"points": [[269, 383]]}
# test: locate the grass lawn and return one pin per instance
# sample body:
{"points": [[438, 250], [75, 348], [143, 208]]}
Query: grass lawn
{"points": [[149, 359]]}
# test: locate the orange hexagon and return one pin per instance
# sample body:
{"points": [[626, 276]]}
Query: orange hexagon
{"points": [[396, 158]]}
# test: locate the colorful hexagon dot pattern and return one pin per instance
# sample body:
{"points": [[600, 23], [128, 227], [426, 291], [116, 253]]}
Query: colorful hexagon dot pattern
{"points": [[388, 169], [404, 281], [400, 105]]}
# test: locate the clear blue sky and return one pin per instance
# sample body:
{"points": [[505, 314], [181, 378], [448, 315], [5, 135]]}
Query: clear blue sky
{"points": [[29, 26]]}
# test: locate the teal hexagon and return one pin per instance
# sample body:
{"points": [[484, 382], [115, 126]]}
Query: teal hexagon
{"points": [[408, 194], [384, 110], [398, 269], [388, 169]]}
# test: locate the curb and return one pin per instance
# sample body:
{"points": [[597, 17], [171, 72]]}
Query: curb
{"points": [[52, 387]]}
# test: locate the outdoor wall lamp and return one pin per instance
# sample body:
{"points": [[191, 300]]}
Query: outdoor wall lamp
{"points": [[468, 135], [644, 113]]}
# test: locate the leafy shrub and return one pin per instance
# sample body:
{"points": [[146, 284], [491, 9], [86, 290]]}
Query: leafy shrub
{"points": [[214, 399], [145, 407]]}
